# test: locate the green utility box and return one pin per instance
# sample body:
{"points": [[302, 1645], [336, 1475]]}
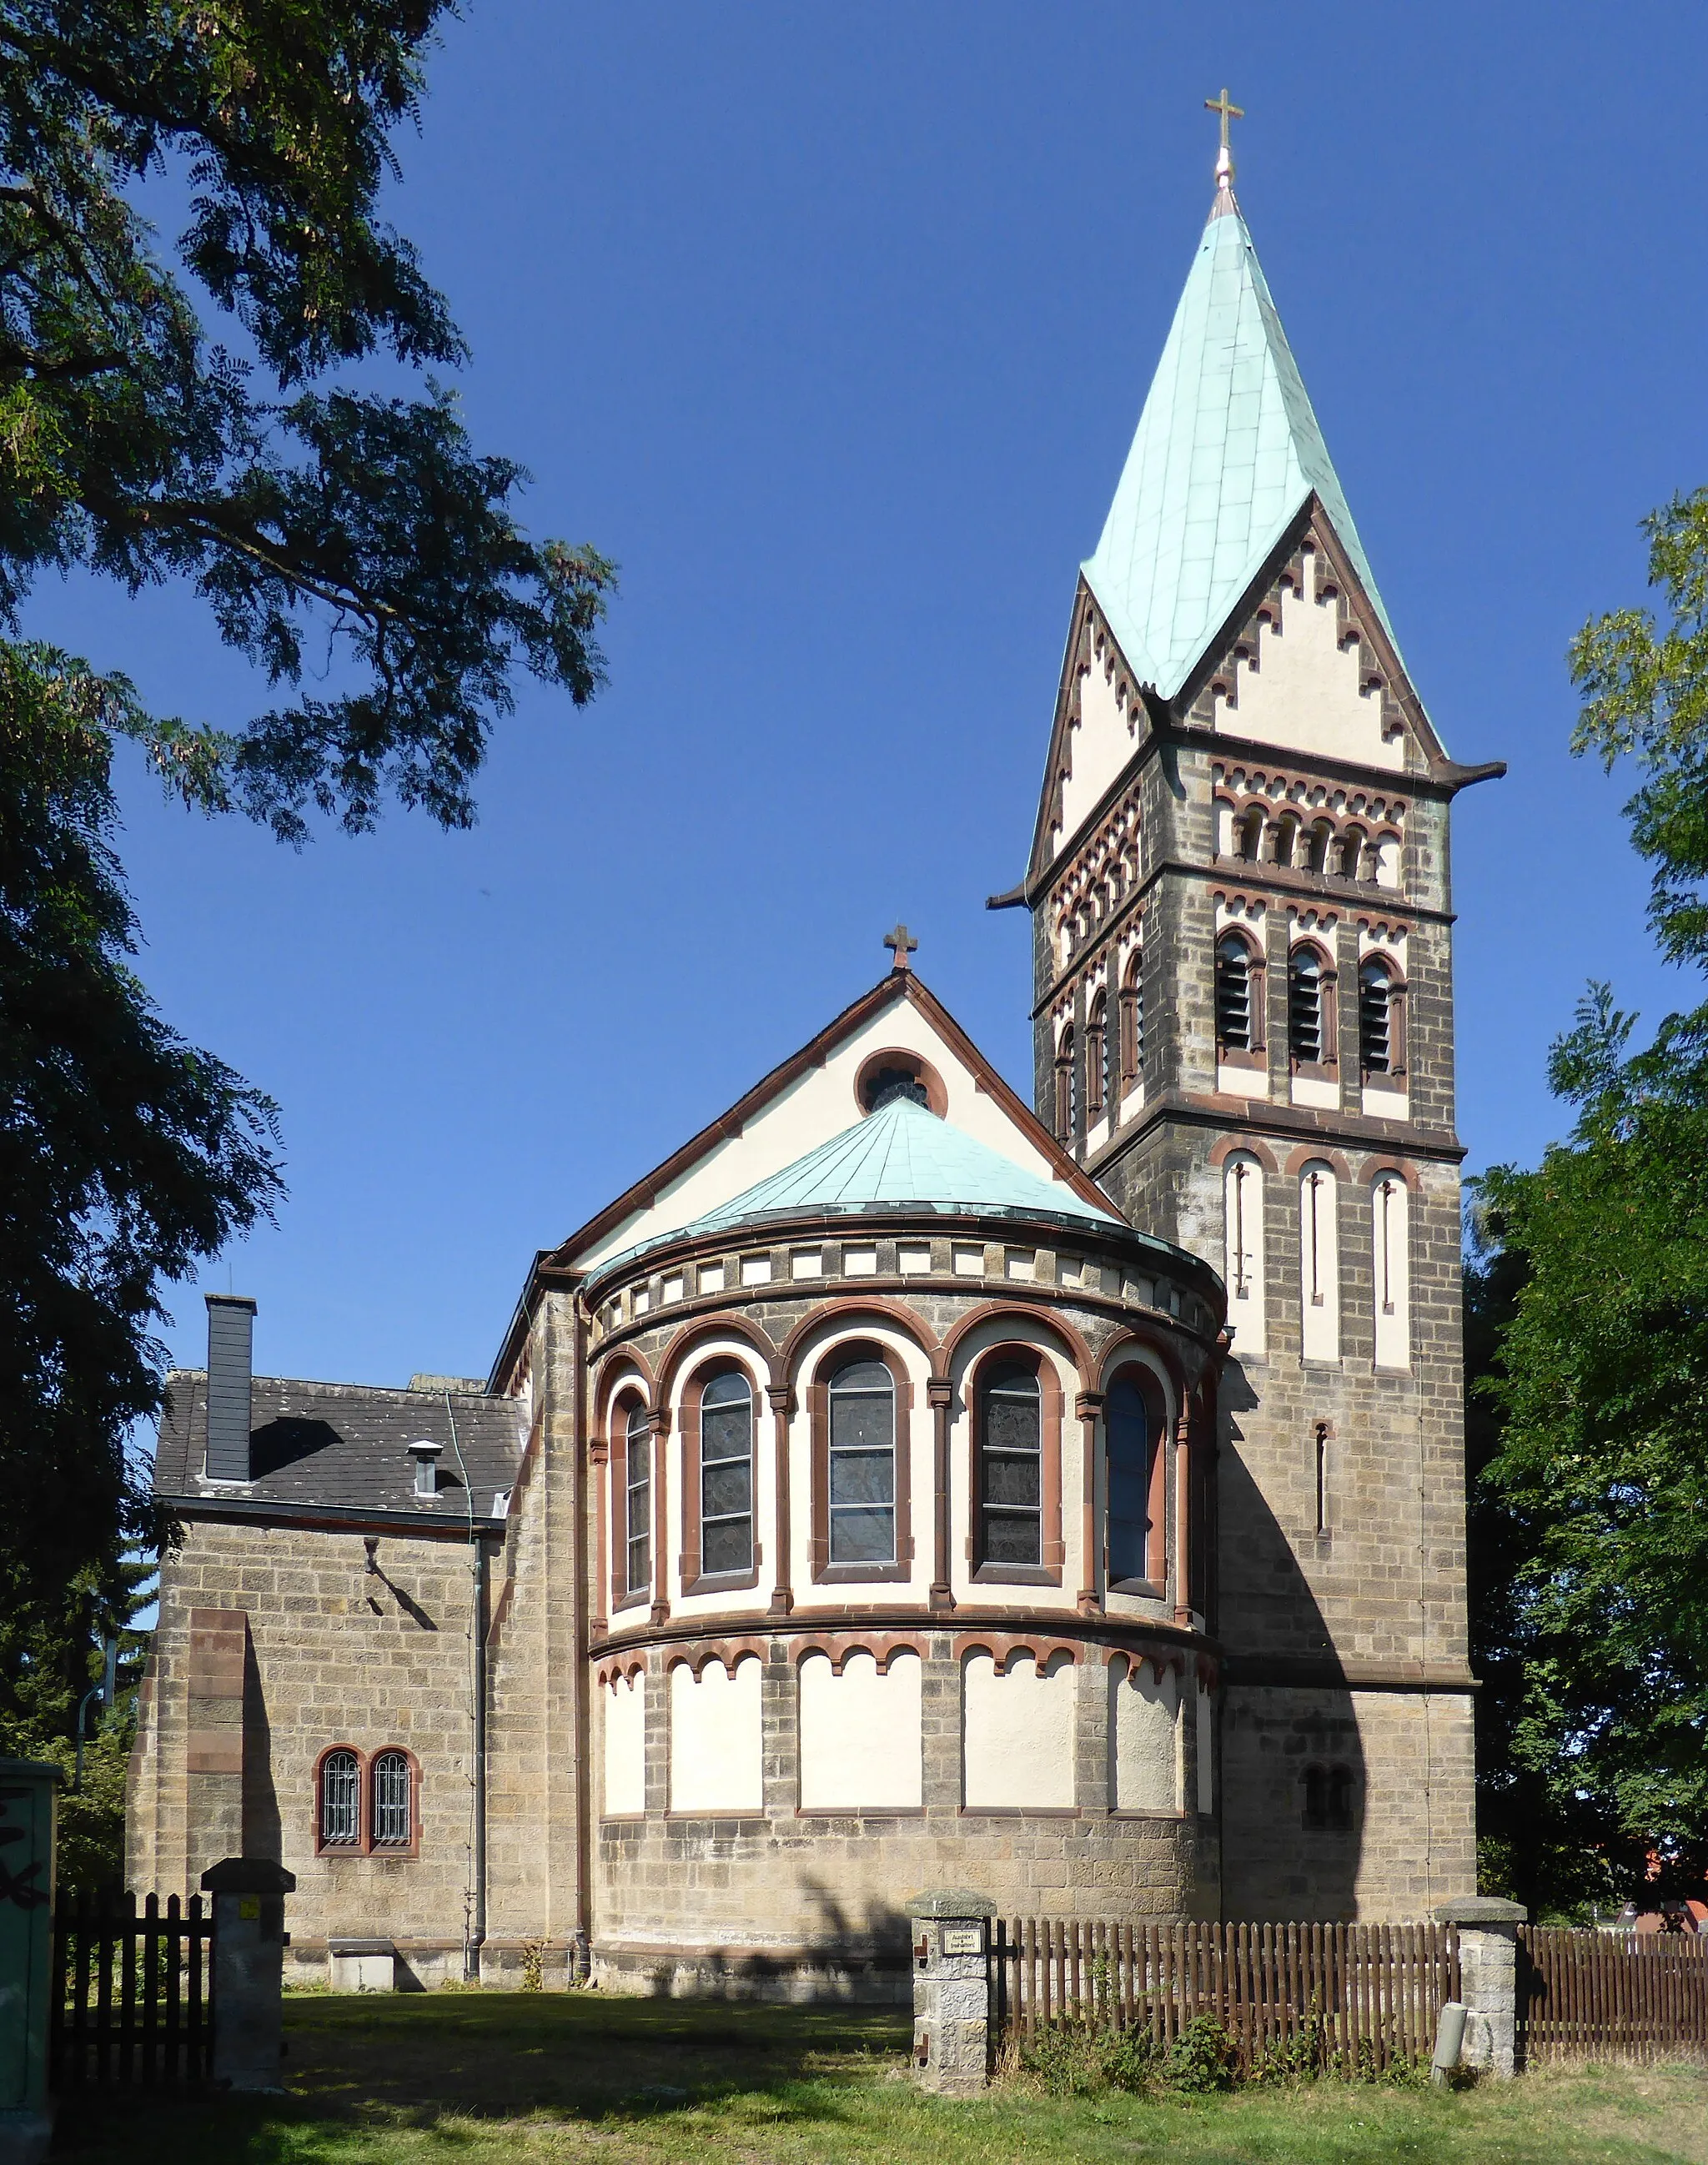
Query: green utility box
{"points": [[28, 1805]]}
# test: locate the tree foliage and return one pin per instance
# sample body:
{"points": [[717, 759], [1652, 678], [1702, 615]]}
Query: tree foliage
{"points": [[1595, 1489], [350, 541]]}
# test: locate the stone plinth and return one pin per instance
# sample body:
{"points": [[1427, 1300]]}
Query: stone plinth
{"points": [[249, 1970], [951, 1991], [1488, 1978]]}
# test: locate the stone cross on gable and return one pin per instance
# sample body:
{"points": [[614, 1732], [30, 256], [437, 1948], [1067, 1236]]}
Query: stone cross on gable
{"points": [[902, 945]]}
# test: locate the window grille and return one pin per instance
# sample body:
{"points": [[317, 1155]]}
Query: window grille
{"points": [[1011, 1474], [341, 1801], [1305, 1007], [861, 1500], [1127, 1420], [1375, 1020], [393, 1820], [1233, 994], [638, 1500], [726, 1474]]}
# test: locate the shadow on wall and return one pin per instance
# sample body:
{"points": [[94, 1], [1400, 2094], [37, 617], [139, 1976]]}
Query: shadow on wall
{"points": [[1293, 1770], [864, 1961], [262, 1833]]}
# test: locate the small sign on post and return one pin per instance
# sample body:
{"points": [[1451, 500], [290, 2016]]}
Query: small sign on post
{"points": [[951, 1991], [29, 1803]]}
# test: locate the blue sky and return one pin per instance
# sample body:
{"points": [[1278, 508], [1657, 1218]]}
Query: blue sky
{"points": [[832, 326]]}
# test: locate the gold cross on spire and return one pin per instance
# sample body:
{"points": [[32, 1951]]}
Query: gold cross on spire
{"points": [[1224, 160]]}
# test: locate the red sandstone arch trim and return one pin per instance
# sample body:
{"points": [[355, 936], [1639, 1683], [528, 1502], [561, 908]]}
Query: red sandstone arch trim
{"points": [[696, 1654], [1165, 1417], [608, 1379], [1137, 1659], [1131, 1340], [1373, 1168], [1005, 1311], [723, 1325], [1208, 1675], [1038, 1647], [877, 1307], [625, 1665], [1314, 1154], [1252, 1146], [910, 1063], [883, 1646], [614, 1468]]}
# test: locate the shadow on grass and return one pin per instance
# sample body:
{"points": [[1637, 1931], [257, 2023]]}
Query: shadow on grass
{"points": [[413, 2061]]}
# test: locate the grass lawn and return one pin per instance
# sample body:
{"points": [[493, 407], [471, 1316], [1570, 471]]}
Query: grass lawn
{"points": [[525, 2078]]}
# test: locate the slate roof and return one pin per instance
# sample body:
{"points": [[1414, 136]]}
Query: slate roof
{"points": [[1226, 452], [344, 1446], [902, 1156]]}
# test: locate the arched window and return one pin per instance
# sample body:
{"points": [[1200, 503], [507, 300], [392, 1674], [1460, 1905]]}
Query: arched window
{"points": [[637, 1514], [1351, 853], [1249, 834], [1378, 1050], [1096, 1054], [1329, 1799], [340, 1812], [1318, 1260], [1132, 1023], [1131, 1444], [1242, 1202], [1235, 1016], [726, 1474], [1010, 1466], [1065, 1093], [1286, 838], [1304, 1031], [861, 1471], [1322, 845], [393, 1801]]}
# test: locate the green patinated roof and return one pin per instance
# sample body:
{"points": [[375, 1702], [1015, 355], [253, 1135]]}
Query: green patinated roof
{"points": [[901, 1156], [1226, 452]]}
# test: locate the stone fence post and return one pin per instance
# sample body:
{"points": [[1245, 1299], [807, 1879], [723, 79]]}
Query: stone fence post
{"points": [[1488, 1976], [249, 1970], [951, 1991]]}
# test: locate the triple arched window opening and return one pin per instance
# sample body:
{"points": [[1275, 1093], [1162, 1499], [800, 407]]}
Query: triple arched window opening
{"points": [[365, 1806], [860, 1474], [1313, 1027], [1349, 852]]}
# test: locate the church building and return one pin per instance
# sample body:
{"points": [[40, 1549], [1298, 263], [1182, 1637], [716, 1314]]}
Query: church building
{"points": [[902, 1486]]}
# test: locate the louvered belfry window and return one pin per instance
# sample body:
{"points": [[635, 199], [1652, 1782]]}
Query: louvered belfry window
{"points": [[1011, 1485], [726, 1474], [1305, 1007], [1375, 1020], [341, 1801], [1233, 994], [394, 1819], [861, 1500]]}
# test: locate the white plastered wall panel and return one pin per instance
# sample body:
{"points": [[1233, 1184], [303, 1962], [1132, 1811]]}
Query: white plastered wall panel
{"points": [[818, 1104], [1305, 691], [1246, 1266], [1144, 1717], [1390, 1259], [1017, 1741], [716, 1755], [860, 1735], [1203, 1740], [1100, 746], [622, 1702], [808, 1362], [1012, 1330], [1319, 1261]]}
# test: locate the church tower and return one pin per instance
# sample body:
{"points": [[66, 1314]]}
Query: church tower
{"points": [[1244, 1032]]}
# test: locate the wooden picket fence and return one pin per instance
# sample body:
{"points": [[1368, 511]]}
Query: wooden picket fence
{"points": [[1612, 1995], [132, 1998], [1350, 1999]]}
